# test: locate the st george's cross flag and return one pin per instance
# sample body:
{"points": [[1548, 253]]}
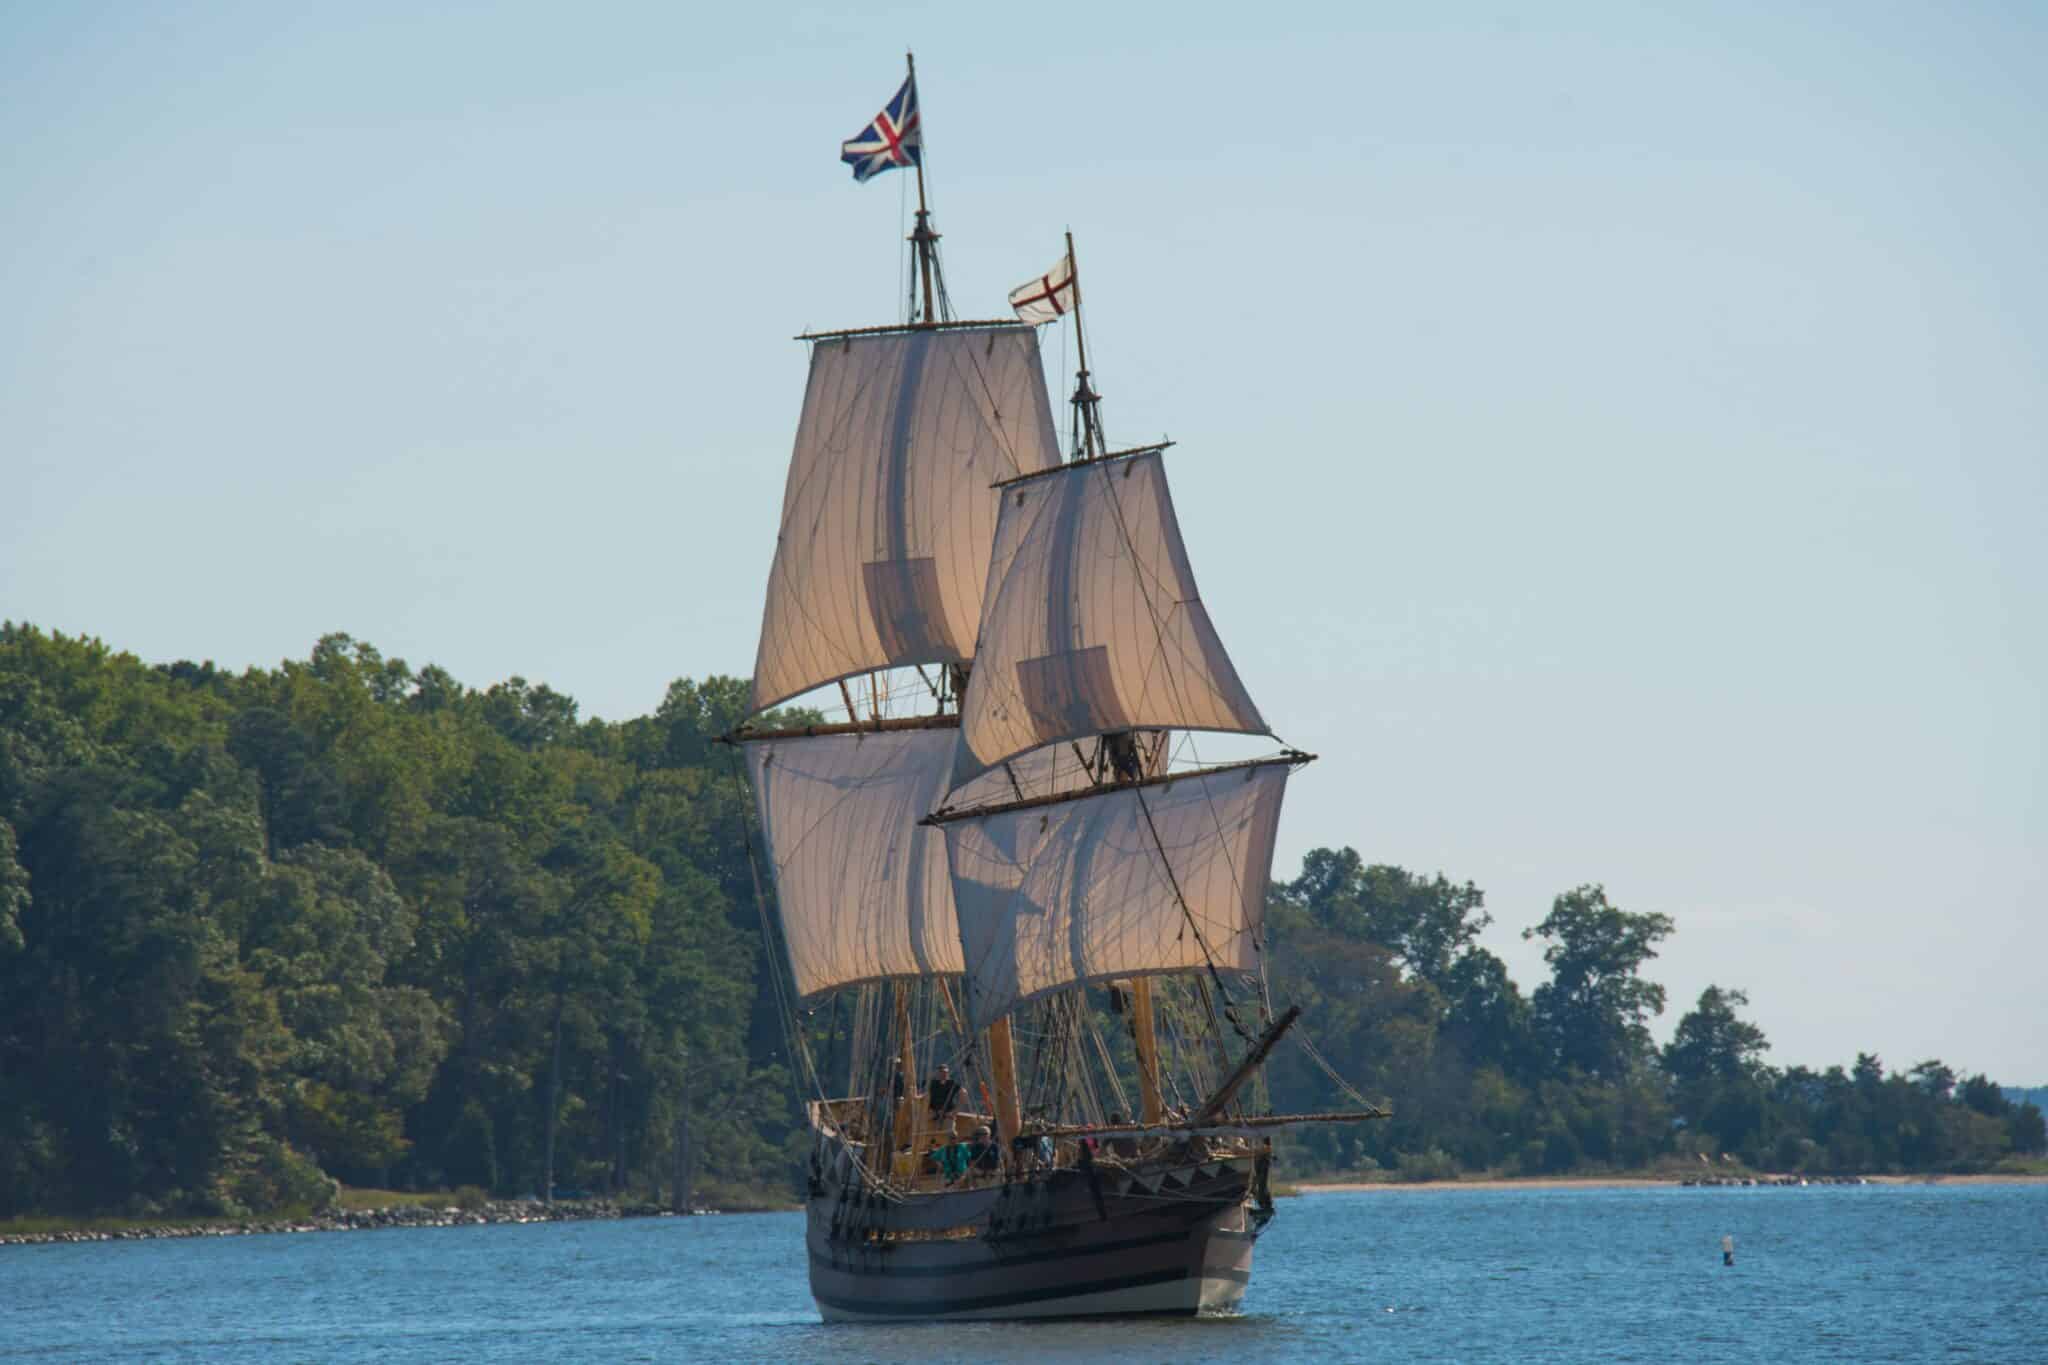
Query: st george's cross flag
{"points": [[894, 139], [1047, 297]]}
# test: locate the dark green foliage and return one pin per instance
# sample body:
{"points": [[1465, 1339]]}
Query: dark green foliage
{"points": [[330, 913], [1592, 1015], [1712, 1046], [1718, 1081], [2025, 1130], [1406, 1006], [1426, 925], [13, 891], [271, 1175]]}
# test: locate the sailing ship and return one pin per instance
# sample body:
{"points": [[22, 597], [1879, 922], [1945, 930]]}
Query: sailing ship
{"points": [[1018, 922]]}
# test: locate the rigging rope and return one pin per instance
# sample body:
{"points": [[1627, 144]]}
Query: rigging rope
{"points": [[1301, 1036], [1229, 1010], [792, 1034]]}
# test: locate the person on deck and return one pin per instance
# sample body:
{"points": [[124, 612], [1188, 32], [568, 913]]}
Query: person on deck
{"points": [[1032, 1151], [983, 1154], [944, 1093]]}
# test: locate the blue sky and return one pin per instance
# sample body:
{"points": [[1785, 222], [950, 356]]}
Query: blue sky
{"points": [[1616, 442]]}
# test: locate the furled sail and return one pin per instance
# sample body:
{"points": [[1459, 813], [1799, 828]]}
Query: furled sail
{"points": [[862, 886], [1092, 623], [1154, 877], [887, 517]]}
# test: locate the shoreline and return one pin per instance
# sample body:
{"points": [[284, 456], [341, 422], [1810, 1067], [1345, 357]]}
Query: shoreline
{"points": [[497, 1211], [522, 1211], [1634, 1182]]}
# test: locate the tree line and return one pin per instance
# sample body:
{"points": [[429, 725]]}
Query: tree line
{"points": [[1406, 1004], [342, 919]]}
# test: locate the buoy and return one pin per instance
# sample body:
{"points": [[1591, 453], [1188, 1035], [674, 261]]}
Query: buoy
{"points": [[1727, 1251]]}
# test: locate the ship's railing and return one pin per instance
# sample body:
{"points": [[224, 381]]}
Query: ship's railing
{"points": [[1115, 1146], [848, 1118], [922, 1169]]}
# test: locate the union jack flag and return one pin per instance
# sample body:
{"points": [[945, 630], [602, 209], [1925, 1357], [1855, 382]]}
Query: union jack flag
{"points": [[893, 139]]}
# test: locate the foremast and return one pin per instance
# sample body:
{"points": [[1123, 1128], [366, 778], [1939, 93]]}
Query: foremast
{"points": [[1088, 442], [1147, 879], [1062, 665]]}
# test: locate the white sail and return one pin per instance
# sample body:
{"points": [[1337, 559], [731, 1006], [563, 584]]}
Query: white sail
{"points": [[888, 517], [1141, 879], [863, 887], [1092, 623]]}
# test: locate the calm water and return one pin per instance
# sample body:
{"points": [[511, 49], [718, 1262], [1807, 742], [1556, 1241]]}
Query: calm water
{"points": [[1905, 1273]]}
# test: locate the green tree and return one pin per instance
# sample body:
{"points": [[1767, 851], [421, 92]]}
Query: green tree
{"points": [[153, 1055], [1935, 1078], [1985, 1096], [529, 715], [1712, 1044], [303, 801], [1374, 1028], [1718, 1080], [1426, 923], [690, 719], [2027, 1130], [1487, 1019], [14, 896], [1593, 1013]]}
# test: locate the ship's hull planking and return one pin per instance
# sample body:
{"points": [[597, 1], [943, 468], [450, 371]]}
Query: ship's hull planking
{"points": [[1165, 1240]]}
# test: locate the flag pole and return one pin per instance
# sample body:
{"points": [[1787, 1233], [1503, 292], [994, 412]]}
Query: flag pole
{"points": [[923, 238], [1085, 399]]}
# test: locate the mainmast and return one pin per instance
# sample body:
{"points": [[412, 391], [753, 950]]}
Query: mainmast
{"points": [[881, 555], [923, 239]]}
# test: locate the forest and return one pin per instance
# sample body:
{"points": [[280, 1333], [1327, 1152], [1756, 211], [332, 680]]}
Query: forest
{"points": [[346, 921]]}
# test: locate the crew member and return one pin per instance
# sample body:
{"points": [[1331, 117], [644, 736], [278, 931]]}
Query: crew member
{"points": [[944, 1092]]}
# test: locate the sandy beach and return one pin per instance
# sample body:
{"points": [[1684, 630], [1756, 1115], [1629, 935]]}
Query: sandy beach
{"points": [[1627, 1183]]}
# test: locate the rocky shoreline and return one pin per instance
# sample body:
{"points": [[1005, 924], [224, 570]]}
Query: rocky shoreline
{"points": [[360, 1220], [1783, 1182]]}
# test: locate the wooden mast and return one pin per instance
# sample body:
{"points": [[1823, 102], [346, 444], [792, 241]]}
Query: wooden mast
{"points": [[1002, 1058], [1091, 446], [1147, 1041], [1001, 1049], [907, 1107], [923, 238], [1085, 399], [1144, 1032]]}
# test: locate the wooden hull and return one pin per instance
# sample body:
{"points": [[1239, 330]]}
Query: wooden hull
{"points": [[1160, 1239]]}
